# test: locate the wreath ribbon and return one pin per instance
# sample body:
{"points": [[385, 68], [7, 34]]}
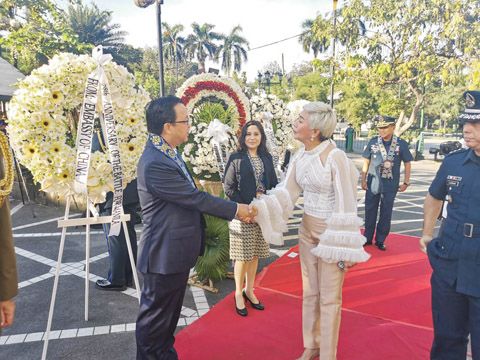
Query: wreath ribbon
{"points": [[97, 82]]}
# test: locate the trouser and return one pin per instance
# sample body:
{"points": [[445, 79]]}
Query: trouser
{"points": [[455, 315], [371, 210], [120, 270], [160, 307], [322, 293]]}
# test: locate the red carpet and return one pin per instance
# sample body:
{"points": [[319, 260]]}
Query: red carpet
{"points": [[386, 312]]}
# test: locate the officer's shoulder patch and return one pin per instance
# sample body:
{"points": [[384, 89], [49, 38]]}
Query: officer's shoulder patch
{"points": [[456, 152]]}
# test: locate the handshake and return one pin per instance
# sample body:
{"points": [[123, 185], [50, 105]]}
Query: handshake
{"points": [[246, 213]]}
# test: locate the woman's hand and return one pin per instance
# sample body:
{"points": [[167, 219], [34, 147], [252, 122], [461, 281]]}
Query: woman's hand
{"points": [[345, 265], [349, 264]]}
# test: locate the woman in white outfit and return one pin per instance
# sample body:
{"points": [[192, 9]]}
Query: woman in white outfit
{"points": [[329, 236]]}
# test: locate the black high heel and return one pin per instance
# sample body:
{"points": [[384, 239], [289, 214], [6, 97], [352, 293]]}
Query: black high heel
{"points": [[241, 312], [258, 306]]}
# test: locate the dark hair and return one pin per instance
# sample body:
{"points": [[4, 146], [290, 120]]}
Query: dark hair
{"points": [[262, 148], [161, 111]]}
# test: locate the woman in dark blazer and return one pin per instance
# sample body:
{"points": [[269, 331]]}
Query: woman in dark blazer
{"points": [[249, 173]]}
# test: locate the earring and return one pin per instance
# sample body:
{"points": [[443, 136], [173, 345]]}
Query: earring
{"points": [[312, 138]]}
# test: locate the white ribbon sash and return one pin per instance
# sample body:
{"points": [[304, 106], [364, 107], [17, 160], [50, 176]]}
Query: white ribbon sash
{"points": [[219, 133], [96, 81]]}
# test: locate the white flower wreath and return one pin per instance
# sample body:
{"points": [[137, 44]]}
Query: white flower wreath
{"points": [[281, 122], [199, 152], [199, 87], [43, 116]]}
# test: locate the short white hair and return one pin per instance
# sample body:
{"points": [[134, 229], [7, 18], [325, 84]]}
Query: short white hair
{"points": [[322, 117]]}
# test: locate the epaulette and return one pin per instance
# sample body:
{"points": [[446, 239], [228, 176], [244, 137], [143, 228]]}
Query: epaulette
{"points": [[456, 152]]}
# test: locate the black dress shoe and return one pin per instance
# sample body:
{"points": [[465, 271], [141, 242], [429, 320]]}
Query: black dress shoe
{"points": [[380, 246], [104, 284], [258, 306], [241, 312], [367, 243]]}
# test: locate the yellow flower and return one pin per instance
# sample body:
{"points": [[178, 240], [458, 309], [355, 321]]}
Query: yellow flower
{"points": [[64, 175], [29, 150], [57, 96]]}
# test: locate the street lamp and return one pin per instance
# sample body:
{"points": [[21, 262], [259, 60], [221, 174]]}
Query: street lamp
{"points": [[144, 4], [267, 76], [332, 68]]}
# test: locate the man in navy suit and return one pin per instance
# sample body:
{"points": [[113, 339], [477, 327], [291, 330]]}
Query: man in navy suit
{"points": [[174, 228]]}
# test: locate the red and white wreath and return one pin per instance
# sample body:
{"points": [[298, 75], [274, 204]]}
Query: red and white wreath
{"points": [[198, 87]]}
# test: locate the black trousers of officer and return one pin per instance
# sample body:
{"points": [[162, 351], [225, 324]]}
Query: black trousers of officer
{"points": [[160, 307], [371, 210], [120, 271], [455, 315]]}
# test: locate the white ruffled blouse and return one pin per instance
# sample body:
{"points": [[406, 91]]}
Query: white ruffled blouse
{"points": [[330, 193]]}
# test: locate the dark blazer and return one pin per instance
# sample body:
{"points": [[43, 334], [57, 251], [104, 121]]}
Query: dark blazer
{"points": [[130, 197], [239, 180], [173, 233]]}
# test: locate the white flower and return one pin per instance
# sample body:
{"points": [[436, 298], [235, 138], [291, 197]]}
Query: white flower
{"points": [[40, 115]]}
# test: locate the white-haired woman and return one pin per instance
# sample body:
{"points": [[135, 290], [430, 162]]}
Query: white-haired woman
{"points": [[329, 236]]}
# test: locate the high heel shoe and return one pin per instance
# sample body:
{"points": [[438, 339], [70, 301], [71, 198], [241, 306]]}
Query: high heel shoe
{"points": [[309, 354], [241, 312], [258, 306]]}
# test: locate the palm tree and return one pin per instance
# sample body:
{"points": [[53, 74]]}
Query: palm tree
{"points": [[310, 41], [201, 44], [173, 45], [233, 50], [92, 26]]}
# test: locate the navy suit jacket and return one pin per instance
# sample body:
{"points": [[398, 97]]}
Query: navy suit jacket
{"points": [[173, 225]]}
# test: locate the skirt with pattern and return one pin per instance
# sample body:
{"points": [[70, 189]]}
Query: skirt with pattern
{"points": [[247, 242]]}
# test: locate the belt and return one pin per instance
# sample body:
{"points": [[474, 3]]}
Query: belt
{"points": [[466, 229]]}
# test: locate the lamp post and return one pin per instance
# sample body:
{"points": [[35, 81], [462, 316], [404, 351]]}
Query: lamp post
{"points": [[332, 68], [144, 4], [267, 82]]}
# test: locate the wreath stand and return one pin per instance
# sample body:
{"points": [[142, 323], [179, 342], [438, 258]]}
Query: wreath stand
{"points": [[87, 221]]}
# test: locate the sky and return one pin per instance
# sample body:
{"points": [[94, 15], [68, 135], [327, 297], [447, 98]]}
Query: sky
{"points": [[263, 22]]}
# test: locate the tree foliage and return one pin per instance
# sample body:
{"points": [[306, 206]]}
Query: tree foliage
{"points": [[418, 45], [232, 51], [34, 31]]}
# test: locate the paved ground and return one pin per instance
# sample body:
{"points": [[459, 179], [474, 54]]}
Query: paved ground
{"points": [[109, 334]]}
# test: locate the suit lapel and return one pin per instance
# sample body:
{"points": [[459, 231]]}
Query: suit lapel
{"points": [[169, 160]]}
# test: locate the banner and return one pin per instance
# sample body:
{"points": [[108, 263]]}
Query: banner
{"points": [[97, 81]]}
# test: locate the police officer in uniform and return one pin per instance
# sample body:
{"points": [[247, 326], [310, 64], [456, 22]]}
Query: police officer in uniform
{"points": [[455, 254], [381, 177]]}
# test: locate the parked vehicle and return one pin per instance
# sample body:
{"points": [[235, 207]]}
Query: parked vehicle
{"points": [[445, 148]]}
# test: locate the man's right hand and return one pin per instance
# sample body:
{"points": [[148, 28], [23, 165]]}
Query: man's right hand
{"points": [[364, 184], [7, 313], [246, 213], [424, 240]]}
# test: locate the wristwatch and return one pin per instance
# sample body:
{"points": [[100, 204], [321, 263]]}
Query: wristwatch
{"points": [[341, 265], [406, 183]]}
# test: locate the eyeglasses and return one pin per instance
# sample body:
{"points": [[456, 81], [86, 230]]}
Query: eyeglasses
{"points": [[188, 122]]}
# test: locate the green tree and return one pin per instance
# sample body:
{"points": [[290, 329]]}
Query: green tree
{"points": [[33, 31], [93, 26], [173, 46], [358, 102], [146, 72], [313, 86], [173, 43], [310, 40], [232, 51], [201, 44], [410, 44]]}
